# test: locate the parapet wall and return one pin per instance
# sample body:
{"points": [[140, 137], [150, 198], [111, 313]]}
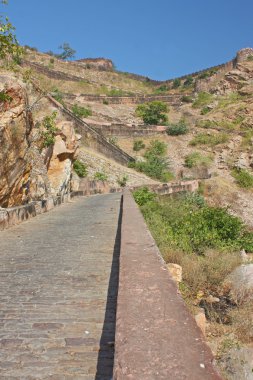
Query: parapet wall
{"points": [[156, 337], [123, 130], [15, 215], [129, 99]]}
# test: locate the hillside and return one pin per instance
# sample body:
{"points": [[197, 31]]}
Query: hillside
{"points": [[216, 105], [64, 120]]}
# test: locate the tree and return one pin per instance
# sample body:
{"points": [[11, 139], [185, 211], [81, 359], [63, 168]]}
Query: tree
{"points": [[67, 53], [8, 42], [176, 83], [153, 113]]}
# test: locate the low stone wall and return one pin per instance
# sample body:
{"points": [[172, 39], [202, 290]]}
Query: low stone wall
{"points": [[156, 337], [16, 215], [172, 188], [174, 99], [129, 131]]}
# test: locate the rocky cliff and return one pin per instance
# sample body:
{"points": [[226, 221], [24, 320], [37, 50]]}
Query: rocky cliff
{"points": [[30, 170]]}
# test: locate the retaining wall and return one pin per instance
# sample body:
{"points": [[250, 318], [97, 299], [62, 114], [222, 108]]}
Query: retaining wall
{"points": [[156, 337], [16, 215], [129, 99], [95, 138], [129, 131]]}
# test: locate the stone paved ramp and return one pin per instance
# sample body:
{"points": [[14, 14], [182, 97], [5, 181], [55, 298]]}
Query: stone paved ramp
{"points": [[57, 316]]}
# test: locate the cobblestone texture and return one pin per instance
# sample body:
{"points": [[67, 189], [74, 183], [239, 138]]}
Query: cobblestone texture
{"points": [[57, 314]]}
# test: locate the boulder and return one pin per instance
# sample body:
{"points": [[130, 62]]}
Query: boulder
{"points": [[240, 283], [175, 271], [200, 319], [238, 364]]}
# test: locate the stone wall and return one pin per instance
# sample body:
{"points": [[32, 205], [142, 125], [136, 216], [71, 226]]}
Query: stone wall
{"points": [[137, 99], [129, 131], [91, 136], [15, 215], [156, 337]]}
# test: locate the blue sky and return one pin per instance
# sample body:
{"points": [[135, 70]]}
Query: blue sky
{"points": [[161, 39]]}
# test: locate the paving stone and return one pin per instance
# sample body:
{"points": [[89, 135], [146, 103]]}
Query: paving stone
{"points": [[58, 289]]}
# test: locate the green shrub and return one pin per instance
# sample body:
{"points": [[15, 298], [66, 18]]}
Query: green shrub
{"points": [[143, 195], [176, 83], [49, 130], [189, 81], [57, 95], [177, 129], [189, 225], [153, 113], [80, 168], [202, 100], [99, 176], [205, 110], [196, 159], [243, 178], [156, 165], [250, 58], [161, 89], [113, 140], [138, 145], [204, 75], [156, 148], [81, 111], [4, 98], [186, 99], [122, 180], [105, 101], [209, 139]]}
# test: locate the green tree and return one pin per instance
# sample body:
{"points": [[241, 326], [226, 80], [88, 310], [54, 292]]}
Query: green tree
{"points": [[176, 83], [67, 51], [153, 113], [8, 41]]}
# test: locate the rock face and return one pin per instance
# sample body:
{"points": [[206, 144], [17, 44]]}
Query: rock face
{"points": [[238, 364], [240, 283], [97, 63], [28, 171], [60, 165], [15, 127], [175, 271]]}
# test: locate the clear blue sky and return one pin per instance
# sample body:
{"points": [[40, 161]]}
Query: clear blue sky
{"points": [[161, 39]]}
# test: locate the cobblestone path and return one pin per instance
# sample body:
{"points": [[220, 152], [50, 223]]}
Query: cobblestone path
{"points": [[58, 288]]}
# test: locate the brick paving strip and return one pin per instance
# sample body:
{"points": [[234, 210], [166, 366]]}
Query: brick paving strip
{"points": [[57, 315]]}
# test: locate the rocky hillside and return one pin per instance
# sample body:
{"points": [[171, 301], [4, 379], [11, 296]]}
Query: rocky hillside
{"points": [[215, 105], [32, 167], [56, 113]]}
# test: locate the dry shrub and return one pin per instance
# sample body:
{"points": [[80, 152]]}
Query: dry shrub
{"points": [[207, 273], [242, 320]]}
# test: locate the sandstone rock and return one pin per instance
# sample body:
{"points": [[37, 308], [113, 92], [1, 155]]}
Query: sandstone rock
{"points": [[242, 161], [200, 319], [15, 127], [175, 271], [238, 364], [240, 283], [212, 299]]}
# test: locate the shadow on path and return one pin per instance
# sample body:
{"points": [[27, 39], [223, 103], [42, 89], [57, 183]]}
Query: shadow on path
{"points": [[106, 351]]}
